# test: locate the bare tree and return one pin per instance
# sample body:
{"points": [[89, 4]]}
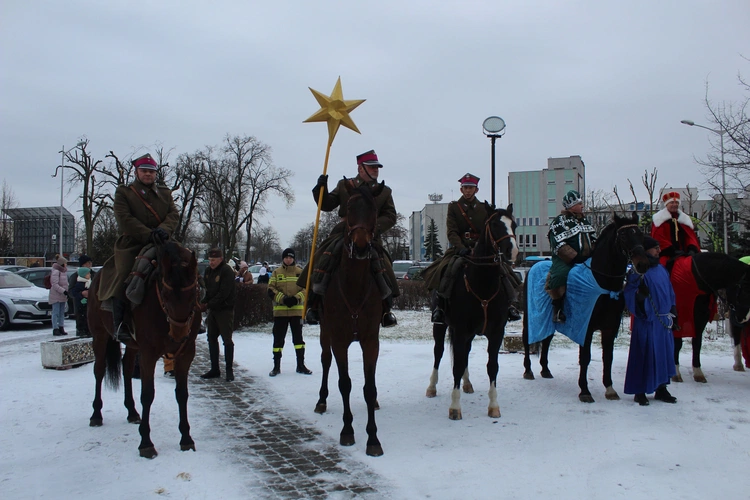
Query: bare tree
{"points": [[302, 240], [266, 244], [7, 202], [394, 238]]}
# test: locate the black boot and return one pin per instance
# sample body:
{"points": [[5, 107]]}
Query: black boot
{"points": [[662, 394], [641, 399], [56, 332], [388, 319], [229, 358], [312, 317], [213, 352], [301, 368], [558, 306], [276, 364], [513, 314], [62, 331], [438, 316], [122, 329]]}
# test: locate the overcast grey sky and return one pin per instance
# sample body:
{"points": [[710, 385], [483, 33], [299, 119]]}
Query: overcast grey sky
{"points": [[609, 81]]}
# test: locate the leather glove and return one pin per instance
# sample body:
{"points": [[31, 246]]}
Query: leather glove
{"points": [[159, 236], [464, 252], [322, 181], [290, 301]]}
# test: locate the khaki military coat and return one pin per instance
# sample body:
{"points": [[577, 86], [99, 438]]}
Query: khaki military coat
{"points": [[135, 223], [463, 233]]}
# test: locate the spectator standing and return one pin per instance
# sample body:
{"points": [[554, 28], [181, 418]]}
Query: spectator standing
{"points": [[82, 328], [58, 295], [650, 299], [263, 273], [288, 304], [220, 297], [243, 275], [80, 294]]}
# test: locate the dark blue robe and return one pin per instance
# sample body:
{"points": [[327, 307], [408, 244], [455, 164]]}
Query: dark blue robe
{"points": [[651, 356]]}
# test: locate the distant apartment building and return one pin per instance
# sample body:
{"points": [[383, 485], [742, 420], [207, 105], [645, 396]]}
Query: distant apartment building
{"points": [[536, 197], [419, 223]]}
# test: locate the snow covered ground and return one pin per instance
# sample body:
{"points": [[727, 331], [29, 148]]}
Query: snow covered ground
{"points": [[546, 444]]}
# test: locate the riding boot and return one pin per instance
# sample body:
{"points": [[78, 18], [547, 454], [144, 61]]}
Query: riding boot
{"points": [[558, 306], [301, 368], [662, 394], [213, 352], [513, 314], [122, 329], [312, 317], [56, 332], [276, 364], [641, 399], [438, 313], [229, 358], [389, 319]]}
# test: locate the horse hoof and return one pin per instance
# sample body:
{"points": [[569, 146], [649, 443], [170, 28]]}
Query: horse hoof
{"points": [[468, 389], [149, 452], [739, 368], [586, 398], [431, 393], [700, 378], [528, 375], [320, 408], [134, 420], [96, 422], [186, 447], [374, 450], [346, 440], [454, 414], [546, 374], [677, 378], [493, 412], [377, 405], [612, 396]]}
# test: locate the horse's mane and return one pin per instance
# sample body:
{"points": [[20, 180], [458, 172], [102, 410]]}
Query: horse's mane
{"points": [[176, 280], [610, 229]]}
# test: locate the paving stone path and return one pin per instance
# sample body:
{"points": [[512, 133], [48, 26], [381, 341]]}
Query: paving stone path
{"points": [[283, 457]]}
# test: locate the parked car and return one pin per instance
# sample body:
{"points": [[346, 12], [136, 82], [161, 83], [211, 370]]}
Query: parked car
{"points": [[21, 301], [36, 276], [12, 269], [414, 273], [401, 266]]}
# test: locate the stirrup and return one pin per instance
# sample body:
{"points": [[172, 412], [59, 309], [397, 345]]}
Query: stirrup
{"points": [[513, 314], [558, 316], [122, 334], [388, 320], [438, 316], [312, 317]]}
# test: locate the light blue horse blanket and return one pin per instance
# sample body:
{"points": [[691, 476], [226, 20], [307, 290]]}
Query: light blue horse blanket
{"points": [[580, 299]]}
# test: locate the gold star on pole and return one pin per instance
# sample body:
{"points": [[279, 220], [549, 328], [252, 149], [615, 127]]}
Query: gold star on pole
{"points": [[334, 110]]}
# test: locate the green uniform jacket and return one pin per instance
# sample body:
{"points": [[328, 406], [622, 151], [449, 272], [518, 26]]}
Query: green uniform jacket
{"points": [[579, 234], [339, 197], [134, 223], [283, 283], [461, 234], [221, 289]]}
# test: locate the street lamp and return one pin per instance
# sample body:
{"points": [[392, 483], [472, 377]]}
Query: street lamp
{"points": [[492, 127], [721, 133], [62, 167]]}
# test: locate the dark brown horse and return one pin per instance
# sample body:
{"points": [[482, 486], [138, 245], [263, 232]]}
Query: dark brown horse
{"points": [[166, 322], [352, 308]]}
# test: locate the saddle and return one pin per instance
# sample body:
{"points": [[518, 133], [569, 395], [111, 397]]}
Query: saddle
{"points": [[686, 291]]}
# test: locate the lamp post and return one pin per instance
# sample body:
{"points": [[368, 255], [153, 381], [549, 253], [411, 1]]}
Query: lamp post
{"points": [[62, 167], [721, 133], [492, 126]]}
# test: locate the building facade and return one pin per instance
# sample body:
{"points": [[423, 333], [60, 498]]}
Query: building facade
{"points": [[419, 223], [36, 231]]}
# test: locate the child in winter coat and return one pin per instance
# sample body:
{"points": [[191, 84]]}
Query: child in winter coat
{"points": [[80, 293]]}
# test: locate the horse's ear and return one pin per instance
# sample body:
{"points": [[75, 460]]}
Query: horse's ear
{"points": [[617, 219], [635, 217], [509, 209], [376, 192]]}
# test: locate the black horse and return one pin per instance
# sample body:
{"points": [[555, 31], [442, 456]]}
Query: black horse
{"points": [[479, 303], [711, 273], [740, 339], [619, 243]]}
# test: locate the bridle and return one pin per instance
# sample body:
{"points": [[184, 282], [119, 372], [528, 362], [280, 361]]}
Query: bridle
{"points": [[496, 255], [368, 227], [622, 249], [179, 326]]}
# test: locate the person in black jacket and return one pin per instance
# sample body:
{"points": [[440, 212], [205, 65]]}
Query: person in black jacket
{"points": [[219, 301]]}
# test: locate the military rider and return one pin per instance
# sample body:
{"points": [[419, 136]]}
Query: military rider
{"points": [[572, 239], [465, 221], [368, 168], [145, 213]]}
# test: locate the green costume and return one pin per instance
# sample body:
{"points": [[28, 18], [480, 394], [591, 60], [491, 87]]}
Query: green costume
{"points": [[571, 238]]}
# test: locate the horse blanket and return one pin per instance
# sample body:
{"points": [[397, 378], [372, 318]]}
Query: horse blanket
{"points": [[686, 291], [580, 299]]}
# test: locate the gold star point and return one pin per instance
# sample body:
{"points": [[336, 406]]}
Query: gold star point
{"points": [[334, 110]]}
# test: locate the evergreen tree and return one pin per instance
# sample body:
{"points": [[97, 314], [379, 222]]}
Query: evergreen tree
{"points": [[432, 247]]}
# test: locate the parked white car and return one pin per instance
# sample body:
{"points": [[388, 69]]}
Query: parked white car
{"points": [[21, 301]]}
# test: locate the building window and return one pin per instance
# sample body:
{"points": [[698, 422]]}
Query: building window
{"points": [[533, 240], [550, 200], [527, 240], [710, 216], [524, 221], [536, 221], [518, 221], [569, 182], [735, 217]]}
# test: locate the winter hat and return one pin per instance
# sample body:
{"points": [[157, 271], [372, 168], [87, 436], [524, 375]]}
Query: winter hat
{"points": [[243, 264], [62, 261], [289, 252], [649, 243], [670, 196], [83, 259], [571, 199], [83, 271]]}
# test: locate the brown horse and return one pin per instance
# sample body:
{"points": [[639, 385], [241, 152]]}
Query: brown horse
{"points": [[352, 309], [166, 322]]}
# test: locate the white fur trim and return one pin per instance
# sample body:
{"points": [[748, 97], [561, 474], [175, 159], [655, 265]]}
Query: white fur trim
{"points": [[663, 216]]}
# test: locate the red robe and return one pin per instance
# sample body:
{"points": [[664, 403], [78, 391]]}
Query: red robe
{"points": [[673, 231]]}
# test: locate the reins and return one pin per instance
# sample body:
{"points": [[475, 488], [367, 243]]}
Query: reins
{"points": [[172, 322], [623, 251]]}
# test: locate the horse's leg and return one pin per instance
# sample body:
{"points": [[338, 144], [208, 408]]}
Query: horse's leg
{"points": [[438, 335], [527, 373], [460, 362], [677, 347], [325, 360], [148, 364], [701, 312], [128, 364], [99, 344], [467, 387], [544, 359], [370, 352], [584, 358], [608, 349], [341, 352], [181, 369], [495, 339], [737, 346]]}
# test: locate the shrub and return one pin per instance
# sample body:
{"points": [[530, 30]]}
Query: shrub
{"points": [[414, 295], [252, 306]]}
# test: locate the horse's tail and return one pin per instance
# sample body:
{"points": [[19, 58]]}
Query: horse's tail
{"points": [[113, 359]]}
